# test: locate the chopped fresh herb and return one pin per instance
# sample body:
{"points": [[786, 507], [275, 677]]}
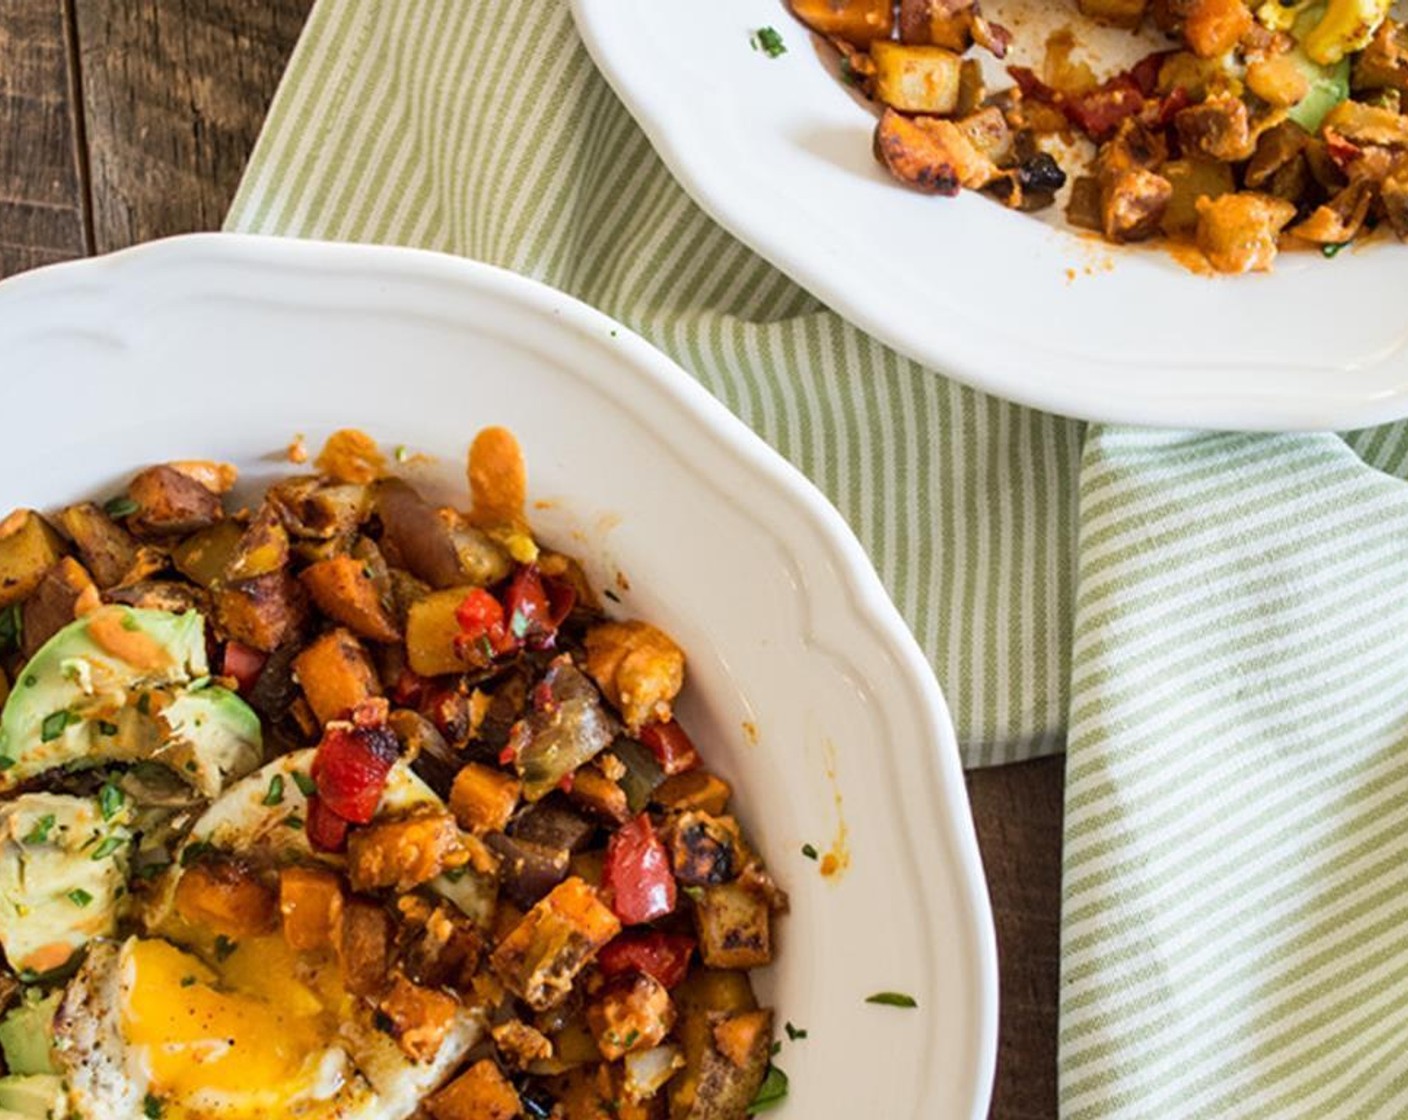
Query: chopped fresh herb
{"points": [[224, 947], [188, 981], [275, 795], [106, 728], [455, 874], [794, 1033], [696, 893], [110, 800], [30, 680], [293, 820], [809, 851], [774, 1050], [151, 1107], [151, 870], [771, 1093], [106, 848], [305, 784], [892, 999], [192, 766], [632, 1037], [6, 762], [518, 624], [769, 41], [28, 976], [11, 627], [402, 453], [79, 897], [193, 851], [129, 621], [1329, 252], [144, 703], [42, 827], [55, 723], [120, 507], [612, 595], [199, 683]]}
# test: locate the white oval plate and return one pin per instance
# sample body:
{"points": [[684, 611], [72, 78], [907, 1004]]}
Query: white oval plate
{"points": [[226, 346], [779, 153]]}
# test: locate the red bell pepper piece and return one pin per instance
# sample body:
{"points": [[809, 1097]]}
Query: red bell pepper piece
{"points": [[350, 769], [483, 632], [670, 746], [664, 956], [327, 832], [242, 663], [637, 873]]}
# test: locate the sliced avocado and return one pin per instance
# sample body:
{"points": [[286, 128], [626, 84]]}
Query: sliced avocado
{"points": [[26, 1034], [62, 870], [114, 686], [36, 1096], [1329, 85]]}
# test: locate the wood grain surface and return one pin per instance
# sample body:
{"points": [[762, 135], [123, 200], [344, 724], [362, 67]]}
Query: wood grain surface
{"points": [[126, 120]]}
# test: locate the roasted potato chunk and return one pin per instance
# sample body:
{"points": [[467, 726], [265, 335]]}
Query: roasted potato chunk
{"points": [[336, 674], [942, 23], [28, 549], [480, 1093], [916, 79], [1237, 232], [169, 502], [432, 633], [631, 1013], [483, 799], [364, 947], [65, 592], [1190, 180], [262, 548], [1115, 13], [694, 789], [226, 896], [856, 21], [638, 667], [419, 1018], [734, 922], [108, 550], [542, 955], [403, 854], [262, 613]]}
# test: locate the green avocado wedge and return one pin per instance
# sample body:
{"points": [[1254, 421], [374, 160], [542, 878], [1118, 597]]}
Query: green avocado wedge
{"points": [[127, 685]]}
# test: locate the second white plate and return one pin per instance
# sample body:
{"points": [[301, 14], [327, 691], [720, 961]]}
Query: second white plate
{"points": [[779, 153]]}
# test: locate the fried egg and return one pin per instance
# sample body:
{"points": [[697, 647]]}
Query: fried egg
{"points": [[249, 1029]]}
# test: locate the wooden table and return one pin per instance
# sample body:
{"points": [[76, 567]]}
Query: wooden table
{"points": [[125, 120]]}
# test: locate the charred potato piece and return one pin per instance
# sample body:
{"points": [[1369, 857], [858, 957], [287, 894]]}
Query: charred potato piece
{"points": [[1383, 64], [262, 548], [342, 589], [694, 789], [363, 947], [729, 1080], [175, 596], [262, 613], [28, 549], [1132, 204], [204, 556], [171, 503], [705, 850], [856, 21], [336, 675], [734, 923], [916, 79], [315, 510], [65, 592], [108, 550], [941, 23], [1339, 220]]}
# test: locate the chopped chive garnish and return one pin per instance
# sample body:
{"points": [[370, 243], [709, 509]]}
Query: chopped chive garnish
{"points": [[6, 762], [224, 947], [275, 795], [129, 622], [151, 1107], [892, 999], [305, 784], [199, 683], [193, 851], [809, 851], [106, 728], [293, 820], [106, 848], [79, 897], [110, 800], [42, 827], [55, 723], [794, 1033], [769, 41], [612, 595], [120, 507], [11, 627], [144, 703], [1329, 252], [188, 981]]}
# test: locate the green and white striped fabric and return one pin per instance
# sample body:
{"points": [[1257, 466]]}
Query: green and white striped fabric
{"points": [[1219, 618]]}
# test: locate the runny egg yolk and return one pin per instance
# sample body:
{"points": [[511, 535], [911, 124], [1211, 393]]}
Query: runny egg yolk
{"points": [[234, 1042]]}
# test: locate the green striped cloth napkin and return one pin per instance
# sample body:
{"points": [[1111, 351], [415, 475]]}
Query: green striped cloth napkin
{"points": [[1217, 620]]}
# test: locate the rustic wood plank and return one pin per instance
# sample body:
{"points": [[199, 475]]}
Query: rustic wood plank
{"points": [[174, 93], [42, 195], [1017, 811]]}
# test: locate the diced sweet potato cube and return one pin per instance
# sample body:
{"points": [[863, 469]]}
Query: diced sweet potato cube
{"points": [[169, 502], [480, 1093], [310, 901], [1213, 27], [364, 947], [262, 613], [694, 789], [28, 549], [740, 1036], [541, 956], [598, 1093], [483, 799], [1238, 232], [227, 897], [403, 854], [351, 456], [343, 590], [856, 21], [632, 1013], [916, 79], [420, 1017], [431, 633], [638, 667], [336, 674]]}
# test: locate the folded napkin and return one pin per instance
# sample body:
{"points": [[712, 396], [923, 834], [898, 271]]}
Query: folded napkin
{"points": [[1218, 619]]}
